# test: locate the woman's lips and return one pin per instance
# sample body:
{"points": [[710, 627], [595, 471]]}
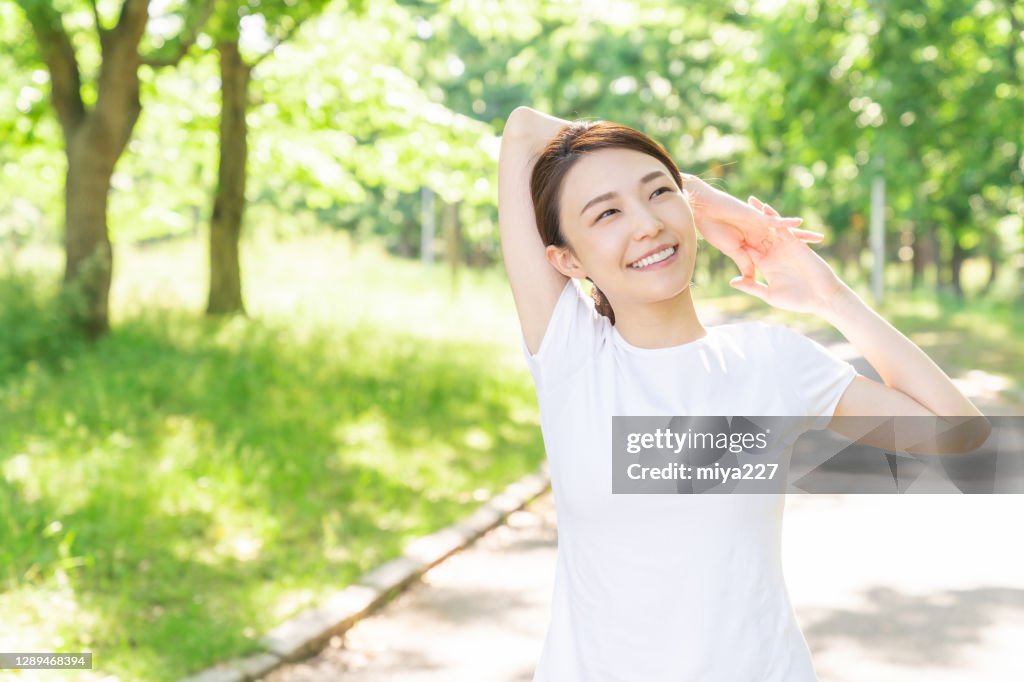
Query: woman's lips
{"points": [[660, 264]]}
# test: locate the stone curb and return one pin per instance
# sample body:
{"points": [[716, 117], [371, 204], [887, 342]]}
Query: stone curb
{"points": [[308, 631]]}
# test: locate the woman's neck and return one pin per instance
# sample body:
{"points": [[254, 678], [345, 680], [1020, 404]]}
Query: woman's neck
{"points": [[661, 324]]}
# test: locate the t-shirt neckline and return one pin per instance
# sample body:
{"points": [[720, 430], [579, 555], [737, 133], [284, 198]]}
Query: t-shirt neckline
{"points": [[667, 350]]}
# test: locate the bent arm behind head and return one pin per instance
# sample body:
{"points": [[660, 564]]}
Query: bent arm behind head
{"points": [[535, 284]]}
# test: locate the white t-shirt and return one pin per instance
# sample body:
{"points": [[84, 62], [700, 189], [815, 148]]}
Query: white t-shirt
{"points": [[673, 588]]}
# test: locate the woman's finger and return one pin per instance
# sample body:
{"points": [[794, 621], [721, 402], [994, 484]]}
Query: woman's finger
{"points": [[729, 240], [762, 206], [807, 235], [743, 261], [755, 253], [750, 286]]}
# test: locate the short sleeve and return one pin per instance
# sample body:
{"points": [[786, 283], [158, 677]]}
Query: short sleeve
{"points": [[569, 340], [811, 378]]}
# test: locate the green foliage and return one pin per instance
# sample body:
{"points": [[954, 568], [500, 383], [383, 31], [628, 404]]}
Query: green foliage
{"points": [[161, 186], [185, 480], [360, 118], [37, 329], [363, 104], [31, 162], [890, 88]]}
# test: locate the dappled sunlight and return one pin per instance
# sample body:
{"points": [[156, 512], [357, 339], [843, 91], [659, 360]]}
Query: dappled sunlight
{"points": [[990, 388], [917, 307], [36, 616], [943, 635], [906, 587], [291, 602], [17, 470], [478, 439], [937, 338], [170, 276], [201, 479]]}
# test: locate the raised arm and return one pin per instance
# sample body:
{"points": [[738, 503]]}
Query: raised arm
{"points": [[912, 384], [535, 283]]}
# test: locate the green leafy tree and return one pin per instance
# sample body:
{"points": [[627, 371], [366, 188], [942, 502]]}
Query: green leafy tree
{"points": [[366, 130], [891, 89], [246, 32], [97, 113]]}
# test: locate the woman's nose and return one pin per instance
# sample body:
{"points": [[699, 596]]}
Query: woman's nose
{"points": [[649, 225]]}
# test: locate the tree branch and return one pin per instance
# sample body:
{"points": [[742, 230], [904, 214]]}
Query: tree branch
{"points": [[117, 104], [1016, 28], [59, 55], [96, 18], [186, 42], [277, 43], [133, 20]]}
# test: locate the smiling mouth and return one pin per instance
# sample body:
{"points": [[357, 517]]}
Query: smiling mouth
{"points": [[667, 252]]}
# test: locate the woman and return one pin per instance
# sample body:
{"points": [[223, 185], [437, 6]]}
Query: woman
{"points": [[672, 587]]}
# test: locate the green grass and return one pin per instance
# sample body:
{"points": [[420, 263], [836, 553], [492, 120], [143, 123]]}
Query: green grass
{"points": [[179, 488]]}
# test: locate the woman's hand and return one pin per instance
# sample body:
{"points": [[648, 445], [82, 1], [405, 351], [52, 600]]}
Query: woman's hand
{"points": [[797, 278], [730, 225], [911, 383]]}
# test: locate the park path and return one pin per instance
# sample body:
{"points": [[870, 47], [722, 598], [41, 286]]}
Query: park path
{"points": [[478, 616], [887, 588]]}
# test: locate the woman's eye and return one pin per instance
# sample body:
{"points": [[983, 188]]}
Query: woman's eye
{"points": [[611, 211]]}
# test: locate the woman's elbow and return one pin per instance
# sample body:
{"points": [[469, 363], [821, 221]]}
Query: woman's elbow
{"points": [[517, 122], [962, 435]]}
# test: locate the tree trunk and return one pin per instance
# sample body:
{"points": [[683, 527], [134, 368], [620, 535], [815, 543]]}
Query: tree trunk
{"points": [[405, 247], [992, 256], [453, 236], [426, 225], [94, 139], [778, 180], [956, 264], [936, 254], [229, 199], [88, 254], [921, 252], [845, 252]]}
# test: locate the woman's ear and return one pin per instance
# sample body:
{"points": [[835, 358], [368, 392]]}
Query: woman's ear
{"points": [[565, 261]]}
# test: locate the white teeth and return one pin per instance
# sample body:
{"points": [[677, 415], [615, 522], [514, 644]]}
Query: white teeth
{"points": [[654, 258]]}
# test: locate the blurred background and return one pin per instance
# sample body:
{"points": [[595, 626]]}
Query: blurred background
{"points": [[254, 329]]}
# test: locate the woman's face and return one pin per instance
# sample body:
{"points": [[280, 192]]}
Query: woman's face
{"points": [[623, 214]]}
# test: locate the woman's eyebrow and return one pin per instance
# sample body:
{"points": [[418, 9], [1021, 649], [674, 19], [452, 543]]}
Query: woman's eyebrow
{"points": [[608, 195]]}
